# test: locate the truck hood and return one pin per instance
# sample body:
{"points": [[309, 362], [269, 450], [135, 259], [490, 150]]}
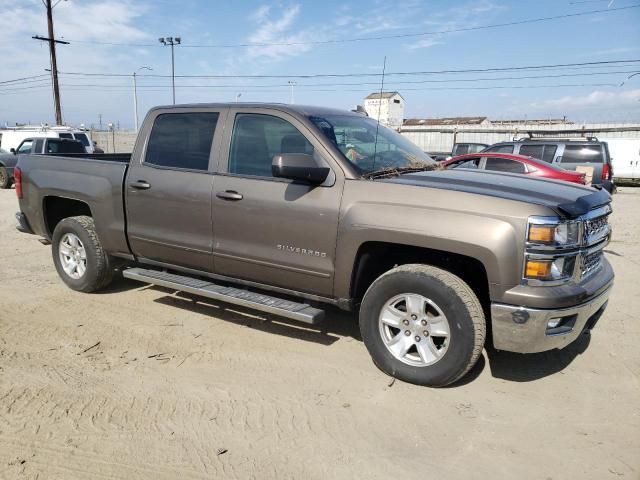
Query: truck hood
{"points": [[563, 197]]}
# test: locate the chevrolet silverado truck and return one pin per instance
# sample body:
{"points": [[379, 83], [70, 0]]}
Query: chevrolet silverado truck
{"points": [[287, 209]]}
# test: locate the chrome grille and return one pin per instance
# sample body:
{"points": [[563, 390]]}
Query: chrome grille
{"points": [[595, 229], [591, 262]]}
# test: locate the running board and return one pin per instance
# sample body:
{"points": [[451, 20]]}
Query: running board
{"points": [[237, 296]]}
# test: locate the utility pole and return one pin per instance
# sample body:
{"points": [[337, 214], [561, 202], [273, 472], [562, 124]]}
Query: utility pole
{"points": [[171, 41], [54, 64], [135, 95]]}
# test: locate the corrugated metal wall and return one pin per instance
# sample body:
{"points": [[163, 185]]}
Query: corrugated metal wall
{"points": [[441, 139]]}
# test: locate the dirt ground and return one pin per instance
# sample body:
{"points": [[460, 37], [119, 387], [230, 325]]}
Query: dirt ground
{"points": [[137, 382]]}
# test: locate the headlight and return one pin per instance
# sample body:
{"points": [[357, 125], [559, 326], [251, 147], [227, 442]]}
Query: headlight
{"points": [[553, 232], [560, 268]]}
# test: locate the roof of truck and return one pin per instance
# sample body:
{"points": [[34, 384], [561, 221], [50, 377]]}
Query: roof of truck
{"points": [[304, 110]]}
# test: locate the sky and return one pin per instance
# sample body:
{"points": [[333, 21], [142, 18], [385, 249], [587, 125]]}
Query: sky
{"points": [[287, 39]]}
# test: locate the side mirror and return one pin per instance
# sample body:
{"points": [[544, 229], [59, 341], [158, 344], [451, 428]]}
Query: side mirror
{"points": [[298, 166], [12, 150]]}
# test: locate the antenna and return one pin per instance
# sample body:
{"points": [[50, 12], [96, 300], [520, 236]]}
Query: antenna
{"points": [[375, 144]]}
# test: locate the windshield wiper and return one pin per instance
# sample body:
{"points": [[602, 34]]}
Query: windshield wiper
{"points": [[397, 171]]}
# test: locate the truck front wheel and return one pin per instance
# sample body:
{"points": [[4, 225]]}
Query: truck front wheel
{"points": [[422, 324], [78, 255]]}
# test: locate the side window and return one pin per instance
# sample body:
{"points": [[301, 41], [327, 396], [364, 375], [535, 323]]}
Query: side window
{"points": [[549, 153], [500, 149], [38, 147], [534, 151], [582, 154], [65, 135], [182, 140], [25, 146], [461, 149], [470, 163], [504, 165], [257, 138]]}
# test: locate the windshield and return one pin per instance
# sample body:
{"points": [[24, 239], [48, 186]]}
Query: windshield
{"points": [[355, 137]]}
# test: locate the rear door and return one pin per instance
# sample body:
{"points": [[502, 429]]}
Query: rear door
{"points": [[273, 230], [168, 188], [589, 156]]}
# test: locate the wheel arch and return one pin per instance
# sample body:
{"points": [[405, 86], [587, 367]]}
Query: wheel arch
{"points": [[374, 258], [57, 208]]}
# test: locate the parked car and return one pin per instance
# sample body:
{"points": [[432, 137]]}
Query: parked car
{"points": [[12, 137], [286, 208], [503, 162], [34, 146], [567, 154]]}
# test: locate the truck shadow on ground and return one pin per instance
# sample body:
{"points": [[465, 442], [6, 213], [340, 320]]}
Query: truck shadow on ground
{"points": [[325, 333], [518, 367], [338, 324]]}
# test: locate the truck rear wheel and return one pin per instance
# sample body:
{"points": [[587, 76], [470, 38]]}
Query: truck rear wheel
{"points": [[78, 255], [423, 325]]}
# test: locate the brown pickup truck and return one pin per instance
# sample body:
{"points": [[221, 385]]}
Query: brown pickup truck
{"points": [[285, 209]]}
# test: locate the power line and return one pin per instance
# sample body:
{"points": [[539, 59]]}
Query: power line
{"points": [[249, 87], [379, 37], [339, 75], [306, 85], [24, 78]]}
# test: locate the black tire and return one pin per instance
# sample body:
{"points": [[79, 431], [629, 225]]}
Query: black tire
{"points": [[457, 302], [5, 180], [98, 273]]}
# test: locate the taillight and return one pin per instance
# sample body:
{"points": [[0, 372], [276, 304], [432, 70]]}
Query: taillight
{"points": [[605, 171], [17, 178]]}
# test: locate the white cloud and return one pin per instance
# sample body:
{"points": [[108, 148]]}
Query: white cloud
{"points": [[426, 43], [260, 13], [598, 99], [279, 31]]}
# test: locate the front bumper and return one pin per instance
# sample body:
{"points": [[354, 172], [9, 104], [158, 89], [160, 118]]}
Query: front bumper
{"points": [[525, 330]]}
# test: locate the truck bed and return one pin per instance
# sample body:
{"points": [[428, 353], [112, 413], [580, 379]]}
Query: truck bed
{"points": [[93, 179]]}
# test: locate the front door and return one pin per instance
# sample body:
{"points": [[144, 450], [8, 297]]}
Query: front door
{"points": [[271, 230], [169, 189]]}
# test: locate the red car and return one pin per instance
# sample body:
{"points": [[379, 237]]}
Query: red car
{"points": [[506, 162]]}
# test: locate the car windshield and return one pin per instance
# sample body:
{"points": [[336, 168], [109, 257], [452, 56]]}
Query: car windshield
{"points": [[370, 147]]}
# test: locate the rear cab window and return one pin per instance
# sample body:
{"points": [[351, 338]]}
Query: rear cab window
{"points": [[182, 140], [582, 154]]}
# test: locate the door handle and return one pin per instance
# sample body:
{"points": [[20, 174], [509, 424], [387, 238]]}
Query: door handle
{"points": [[140, 185], [229, 195]]}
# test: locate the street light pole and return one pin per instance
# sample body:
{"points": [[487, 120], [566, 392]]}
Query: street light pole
{"points": [[291, 84], [171, 41], [135, 96]]}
